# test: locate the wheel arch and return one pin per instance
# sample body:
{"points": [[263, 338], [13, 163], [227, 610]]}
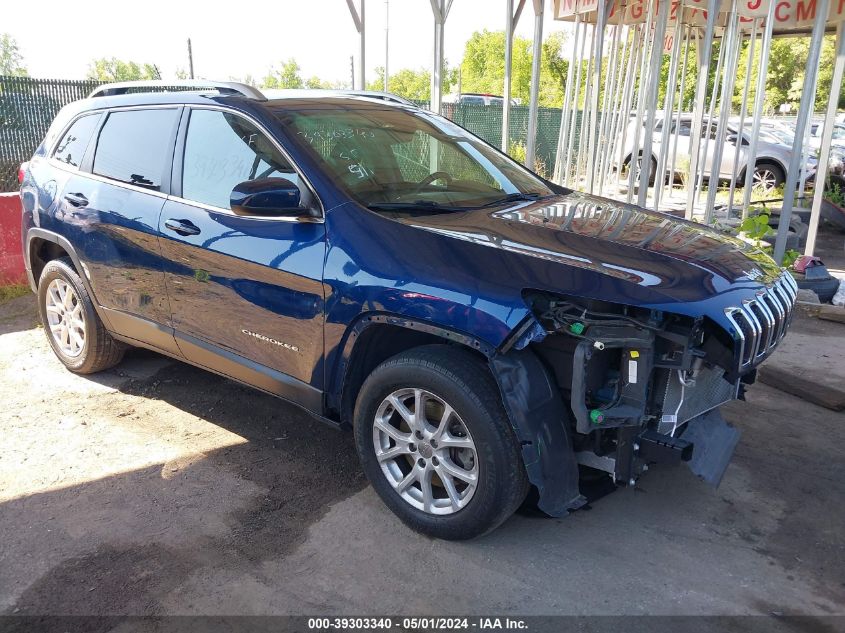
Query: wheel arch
{"points": [[530, 395], [43, 246], [373, 339]]}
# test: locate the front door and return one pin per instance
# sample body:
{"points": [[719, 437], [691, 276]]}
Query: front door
{"points": [[246, 293]]}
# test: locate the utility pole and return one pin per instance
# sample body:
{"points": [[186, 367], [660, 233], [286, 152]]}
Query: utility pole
{"points": [[352, 71], [190, 60], [386, 40]]}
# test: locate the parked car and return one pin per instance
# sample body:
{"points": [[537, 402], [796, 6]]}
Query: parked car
{"points": [[481, 330], [476, 98], [769, 169]]}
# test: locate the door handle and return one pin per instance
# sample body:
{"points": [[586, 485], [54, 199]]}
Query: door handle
{"points": [[182, 227], [76, 199]]}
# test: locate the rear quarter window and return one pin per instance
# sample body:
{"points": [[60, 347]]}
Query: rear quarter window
{"points": [[71, 148], [135, 146]]}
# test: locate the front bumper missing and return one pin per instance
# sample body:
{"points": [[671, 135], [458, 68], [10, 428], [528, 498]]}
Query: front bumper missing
{"points": [[706, 444]]}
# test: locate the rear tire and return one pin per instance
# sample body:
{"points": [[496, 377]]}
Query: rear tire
{"points": [[652, 173], [406, 459], [767, 177], [73, 328]]}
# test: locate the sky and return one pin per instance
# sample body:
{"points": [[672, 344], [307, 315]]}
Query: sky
{"points": [[233, 39]]}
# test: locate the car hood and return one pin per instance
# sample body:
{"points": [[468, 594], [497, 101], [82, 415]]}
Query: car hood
{"points": [[665, 256]]}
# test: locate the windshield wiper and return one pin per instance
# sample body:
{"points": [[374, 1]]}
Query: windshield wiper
{"points": [[514, 197], [426, 205]]}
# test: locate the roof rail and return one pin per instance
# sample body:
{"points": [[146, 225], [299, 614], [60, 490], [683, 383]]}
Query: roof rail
{"points": [[223, 87]]}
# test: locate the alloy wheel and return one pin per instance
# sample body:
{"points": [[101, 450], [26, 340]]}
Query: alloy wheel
{"points": [[65, 318], [425, 451], [764, 179]]}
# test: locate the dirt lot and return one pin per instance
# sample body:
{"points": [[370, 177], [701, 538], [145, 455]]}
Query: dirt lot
{"points": [[157, 488]]}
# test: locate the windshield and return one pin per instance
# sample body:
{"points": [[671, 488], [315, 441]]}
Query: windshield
{"points": [[394, 157]]}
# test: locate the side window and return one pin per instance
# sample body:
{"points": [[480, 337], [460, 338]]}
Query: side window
{"points": [[72, 146], [222, 150], [684, 128], [134, 146]]}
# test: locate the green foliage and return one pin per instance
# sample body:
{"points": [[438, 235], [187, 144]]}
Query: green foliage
{"points": [[785, 81], [756, 228], [413, 84], [483, 67], [287, 76], [834, 194], [114, 69], [11, 60], [789, 257], [7, 293]]}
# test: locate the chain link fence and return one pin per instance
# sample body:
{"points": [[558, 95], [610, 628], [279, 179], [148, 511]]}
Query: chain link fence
{"points": [[28, 106]]}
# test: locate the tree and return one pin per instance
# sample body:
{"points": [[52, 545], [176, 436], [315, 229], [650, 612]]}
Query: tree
{"points": [[287, 76], [11, 60], [483, 67], [411, 84], [114, 69]]}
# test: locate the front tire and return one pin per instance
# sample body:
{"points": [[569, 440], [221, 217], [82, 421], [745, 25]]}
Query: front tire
{"points": [[436, 444], [73, 328]]}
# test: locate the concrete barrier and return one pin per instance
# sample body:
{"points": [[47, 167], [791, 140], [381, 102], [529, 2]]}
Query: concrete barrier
{"points": [[12, 269]]}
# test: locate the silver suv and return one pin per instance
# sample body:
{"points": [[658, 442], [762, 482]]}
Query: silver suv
{"points": [[769, 169]]}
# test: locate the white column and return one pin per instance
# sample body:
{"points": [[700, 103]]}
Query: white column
{"points": [[531, 141], [827, 136], [808, 98]]}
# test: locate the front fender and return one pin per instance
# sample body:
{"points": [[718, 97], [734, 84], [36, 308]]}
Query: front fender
{"points": [[541, 423]]}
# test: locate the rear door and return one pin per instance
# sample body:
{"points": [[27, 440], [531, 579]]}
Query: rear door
{"points": [[110, 210], [246, 293]]}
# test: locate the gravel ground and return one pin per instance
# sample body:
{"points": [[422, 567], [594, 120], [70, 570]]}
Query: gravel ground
{"points": [[157, 488]]}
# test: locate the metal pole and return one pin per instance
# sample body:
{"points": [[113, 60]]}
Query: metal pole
{"points": [[827, 136], [648, 43], [624, 118], [574, 120], [594, 120], [689, 31], [510, 25], [190, 60], [717, 82], [362, 66], [612, 110], [668, 104], [807, 100], [386, 42], [651, 103], [728, 83], [583, 134], [439, 9], [531, 141], [741, 127], [565, 108], [608, 101], [802, 187], [705, 52], [358, 19], [759, 100]]}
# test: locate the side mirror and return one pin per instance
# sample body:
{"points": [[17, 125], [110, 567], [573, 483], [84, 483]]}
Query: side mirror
{"points": [[266, 196]]}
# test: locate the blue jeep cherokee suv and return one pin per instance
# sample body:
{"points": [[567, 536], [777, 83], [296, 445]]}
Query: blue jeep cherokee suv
{"points": [[482, 330]]}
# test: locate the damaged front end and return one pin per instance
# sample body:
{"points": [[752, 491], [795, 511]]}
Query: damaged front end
{"points": [[643, 386]]}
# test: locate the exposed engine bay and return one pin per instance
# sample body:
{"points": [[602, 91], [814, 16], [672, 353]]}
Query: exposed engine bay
{"points": [[643, 385]]}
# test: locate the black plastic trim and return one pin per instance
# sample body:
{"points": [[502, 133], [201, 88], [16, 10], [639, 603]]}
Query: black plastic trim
{"points": [[231, 365], [542, 425]]}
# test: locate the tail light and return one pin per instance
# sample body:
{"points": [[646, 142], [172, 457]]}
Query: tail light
{"points": [[22, 172]]}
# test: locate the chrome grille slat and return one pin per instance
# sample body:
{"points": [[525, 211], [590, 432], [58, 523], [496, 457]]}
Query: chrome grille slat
{"points": [[761, 323]]}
